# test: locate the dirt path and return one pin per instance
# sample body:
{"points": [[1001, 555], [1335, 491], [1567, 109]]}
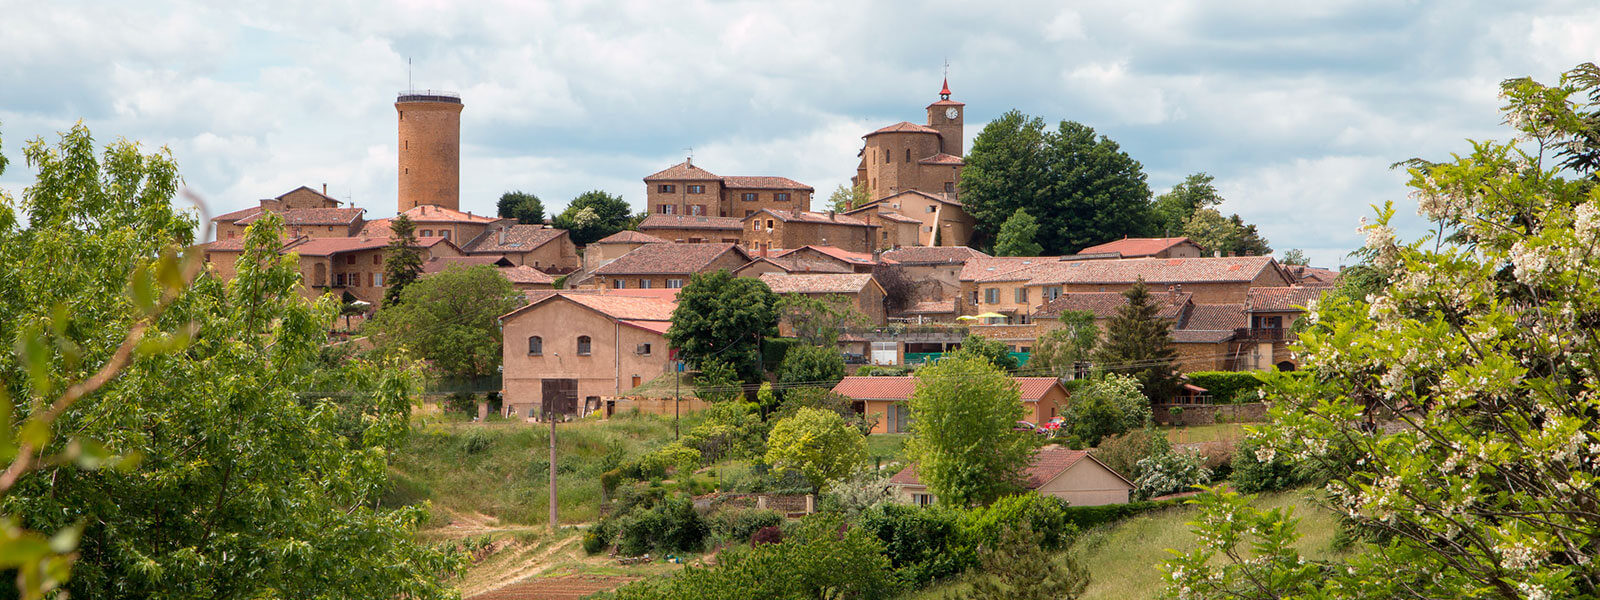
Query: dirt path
{"points": [[569, 587]]}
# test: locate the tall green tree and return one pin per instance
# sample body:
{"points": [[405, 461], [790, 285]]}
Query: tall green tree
{"points": [[1083, 188], [963, 412], [1452, 409], [245, 485], [845, 198], [1060, 351], [994, 351], [724, 318], [817, 321], [1294, 256], [1138, 343], [402, 260], [594, 215], [818, 444], [1229, 235], [522, 206], [1017, 235], [1173, 209], [815, 366], [451, 319]]}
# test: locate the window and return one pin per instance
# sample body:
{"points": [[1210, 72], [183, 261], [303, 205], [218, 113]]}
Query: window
{"points": [[350, 259], [583, 345], [674, 283], [928, 229], [426, 233], [755, 224], [1022, 295], [617, 284], [377, 279], [769, 224], [949, 187], [974, 298], [668, 209], [922, 499], [899, 418], [644, 349], [781, 197], [1051, 293], [885, 235], [644, 284], [444, 233], [338, 280], [908, 155], [697, 189], [746, 213], [354, 280], [886, 155], [666, 188], [929, 208], [697, 209], [991, 296], [748, 196], [535, 345]]}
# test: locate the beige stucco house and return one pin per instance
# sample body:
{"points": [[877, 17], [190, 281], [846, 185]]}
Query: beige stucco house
{"points": [[1072, 475]]}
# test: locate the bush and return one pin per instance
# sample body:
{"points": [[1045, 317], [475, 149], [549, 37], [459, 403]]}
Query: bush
{"points": [[1170, 473], [598, 538], [1111, 405], [1046, 514], [774, 349], [463, 403], [674, 455], [1122, 453], [1088, 517], [739, 525], [767, 535], [857, 493], [728, 430], [1258, 468], [672, 525], [476, 441], [922, 544], [812, 365], [882, 371], [1228, 387]]}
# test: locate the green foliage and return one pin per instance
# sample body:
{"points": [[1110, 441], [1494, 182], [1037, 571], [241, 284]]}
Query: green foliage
{"points": [[670, 525], [861, 491], [922, 544], [1228, 386], [1229, 235], [1046, 514], [724, 318], [816, 321], [477, 442], [1258, 468], [451, 318], [817, 561], [1019, 568], [718, 382], [824, 399], [994, 351], [1173, 209], [1480, 337], [1170, 473], [594, 215], [676, 455], [1060, 351], [818, 444], [962, 437], [845, 198], [1083, 189], [1017, 235], [728, 430], [462, 403], [816, 366], [1274, 568], [522, 206], [883, 371], [739, 525], [773, 349], [1090, 517], [1294, 256], [1139, 343], [246, 485], [402, 260], [1108, 405], [1122, 453]]}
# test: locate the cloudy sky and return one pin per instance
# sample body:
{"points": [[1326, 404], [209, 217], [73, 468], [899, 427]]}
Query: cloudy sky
{"points": [[1296, 108]]}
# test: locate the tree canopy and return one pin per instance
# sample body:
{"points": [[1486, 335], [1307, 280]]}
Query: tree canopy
{"points": [[1017, 235], [451, 319], [1139, 343], [238, 479], [1174, 208], [1083, 189], [818, 444], [724, 318], [594, 215], [994, 351], [964, 410], [816, 366], [522, 206], [402, 260], [1060, 351], [845, 198]]}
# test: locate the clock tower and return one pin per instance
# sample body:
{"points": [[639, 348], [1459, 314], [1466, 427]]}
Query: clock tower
{"points": [[947, 116]]}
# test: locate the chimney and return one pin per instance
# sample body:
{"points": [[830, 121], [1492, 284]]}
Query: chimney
{"points": [[502, 236], [689, 162], [1216, 254], [830, 214], [324, 189]]}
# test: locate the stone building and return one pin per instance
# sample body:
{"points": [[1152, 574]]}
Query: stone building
{"points": [[543, 248], [767, 231], [692, 229], [687, 190], [305, 212], [915, 170], [667, 265], [573, 348], [430, 150], [863, 293]]}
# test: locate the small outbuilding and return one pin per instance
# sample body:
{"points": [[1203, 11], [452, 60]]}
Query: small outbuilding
{"points": [[1072, 475]]}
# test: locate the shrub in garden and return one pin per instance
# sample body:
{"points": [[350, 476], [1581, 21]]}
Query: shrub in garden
{"points": [[1170, 473], [1122, 453], [738, 525], [1046, 514], [672, 525], [1259, 468], [922, 544]]}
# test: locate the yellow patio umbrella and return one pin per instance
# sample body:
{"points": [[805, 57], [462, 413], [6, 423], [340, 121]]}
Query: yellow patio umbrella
{"points": [[987, 315]]}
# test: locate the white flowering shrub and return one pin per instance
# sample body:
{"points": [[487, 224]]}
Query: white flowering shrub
{"points": [[1170, 473], [1453, 410]]}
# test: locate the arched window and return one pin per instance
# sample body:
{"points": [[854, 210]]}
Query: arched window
{"points": [[885, 155], [535, 345], [908, 155], [583, 345]]}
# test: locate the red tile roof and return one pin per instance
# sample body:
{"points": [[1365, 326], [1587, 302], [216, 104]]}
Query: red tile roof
{"points": [[335, 245], [1047, 464], [904, 127], [936, 198], [942, 159], [1283, 299], [1136, 247], [440, 263], [238, 214], [629, 237], [855, 258], [1105, 305], [1201, 336], [525, 274], [429, 213], [1216, 317], [929, 255], [309, 189], [816, 283], [311, 216], [518, 239], [669, 259], [898, 218], [763, 183], [984, 267], [684, 171], [228, 245], [1155, 271], [932, 307], [1313, 275], [659, 221], [794, 264], [900, 388]]}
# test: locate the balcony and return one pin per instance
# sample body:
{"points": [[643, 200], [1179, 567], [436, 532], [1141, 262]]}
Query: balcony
{"points": [[1261, 334], [928, 332]]}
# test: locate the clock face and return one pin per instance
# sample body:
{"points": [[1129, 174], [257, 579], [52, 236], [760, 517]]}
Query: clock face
{"points": [[950, 113]]}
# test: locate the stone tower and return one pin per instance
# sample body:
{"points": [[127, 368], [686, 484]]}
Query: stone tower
{"points": [[946, 116], [430, 149]]}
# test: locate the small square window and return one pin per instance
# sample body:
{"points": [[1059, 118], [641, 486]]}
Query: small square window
{"points": [[748, 196], [781, 197], [644, 284], [666, 188], [618, 284], [697, 189]]}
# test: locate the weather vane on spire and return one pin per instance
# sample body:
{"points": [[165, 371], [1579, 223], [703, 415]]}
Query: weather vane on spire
{"points": [[944, 92]]}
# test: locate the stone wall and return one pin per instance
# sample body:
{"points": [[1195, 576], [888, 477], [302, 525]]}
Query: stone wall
{"points": [[1206, 414]]}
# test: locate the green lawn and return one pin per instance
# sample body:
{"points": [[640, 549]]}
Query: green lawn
{"points": [[887, 446], [1233, 432], [499, 469]]}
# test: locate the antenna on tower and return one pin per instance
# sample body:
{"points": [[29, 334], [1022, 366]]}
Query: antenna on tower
{"points": [[410, 86]]}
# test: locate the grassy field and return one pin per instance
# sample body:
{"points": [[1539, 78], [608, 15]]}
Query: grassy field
{"points": [[1220, 432], [497, 472], [1124, 559]]}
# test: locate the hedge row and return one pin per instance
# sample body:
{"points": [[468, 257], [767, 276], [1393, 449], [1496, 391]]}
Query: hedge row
{"points": [[1085, 517]]}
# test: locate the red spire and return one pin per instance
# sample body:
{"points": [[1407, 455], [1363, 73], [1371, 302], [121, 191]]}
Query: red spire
{"points": [[944, 93]]}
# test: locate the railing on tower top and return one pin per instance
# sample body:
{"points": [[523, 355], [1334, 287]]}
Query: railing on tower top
{"points": [[429, 96]]}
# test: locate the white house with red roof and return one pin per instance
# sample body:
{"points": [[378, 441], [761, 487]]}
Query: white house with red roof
{"points": [[1072, 475]]}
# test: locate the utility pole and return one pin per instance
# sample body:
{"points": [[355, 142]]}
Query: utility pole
{"points": [[554, 524], [677, 385]]}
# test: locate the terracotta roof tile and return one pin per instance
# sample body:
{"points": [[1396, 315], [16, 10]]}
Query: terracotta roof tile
{"points": [[898, 218], [1047, 464], [816, 283], [1282, 299], [925, 255], [684, 171], [795, 264], [229, 245], [440, 263], [309, 189], [628, 236], [429, 213], [631, 308], [942, 159], [763, 183], [669, 259], [904, 127], [900, 388], [518, 239], [526, 275], [835, 252], [1201, 336], [983, 267], [310, 216], [804, 216], [335, 245], [238, 214], [1313, 275], [1155, 271], [1105, 305], [1216, 317], [932, 307], [659, 221], [1136, 247]]}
